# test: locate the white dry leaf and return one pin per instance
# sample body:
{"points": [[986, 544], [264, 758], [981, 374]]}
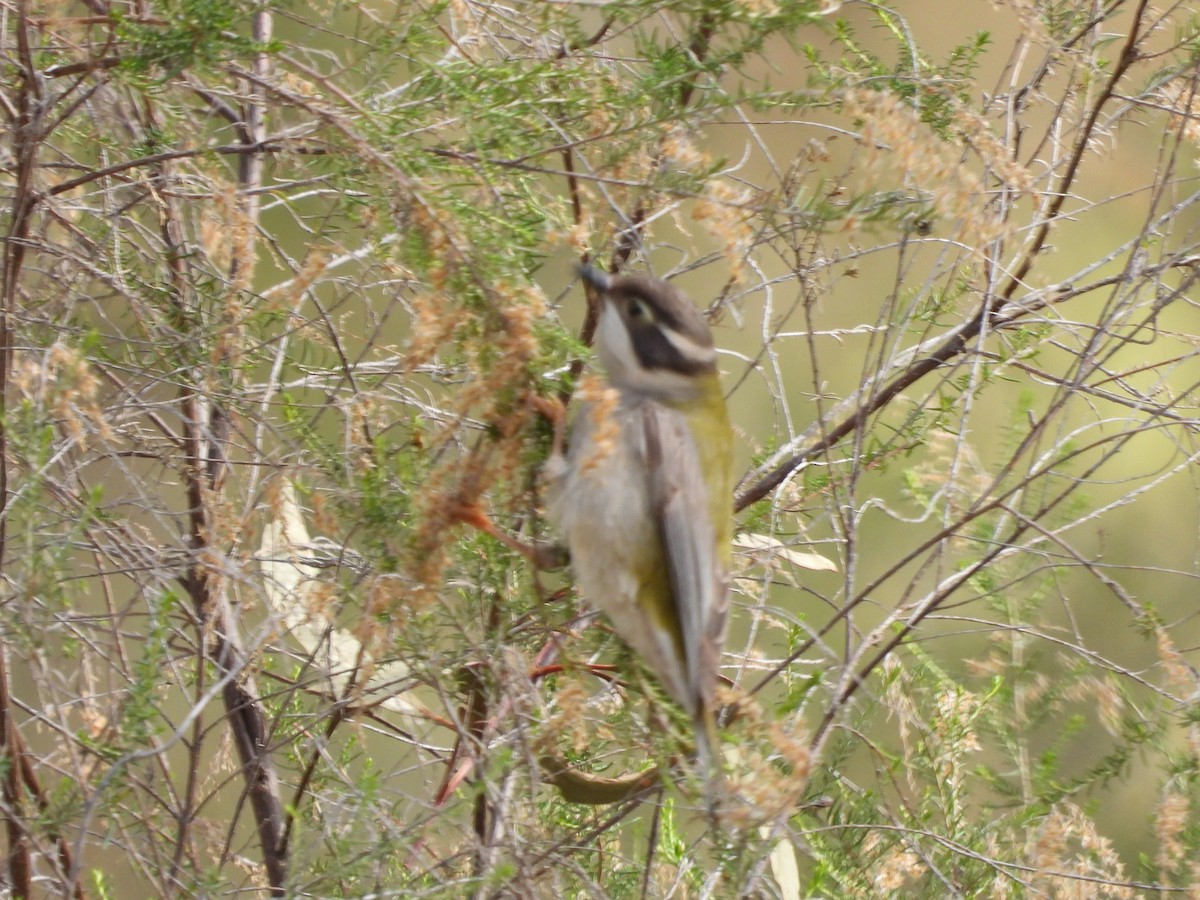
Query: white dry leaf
{"points": [[290, 585], [770, 550], [287, 581], [784, 867]]}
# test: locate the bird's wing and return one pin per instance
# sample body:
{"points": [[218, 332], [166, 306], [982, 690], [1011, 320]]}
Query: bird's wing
{"points": [[679, 505]]}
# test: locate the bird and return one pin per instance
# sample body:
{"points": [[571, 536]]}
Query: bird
{"points": [[643, 495]]}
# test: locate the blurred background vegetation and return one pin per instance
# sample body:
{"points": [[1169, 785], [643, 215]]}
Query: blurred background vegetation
{"points": [[278, 284]]}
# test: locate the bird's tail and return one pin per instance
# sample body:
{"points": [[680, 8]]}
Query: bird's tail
{"points": [[709, 759]]}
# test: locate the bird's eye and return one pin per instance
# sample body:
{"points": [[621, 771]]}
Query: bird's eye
{"points": [[638, 311]]}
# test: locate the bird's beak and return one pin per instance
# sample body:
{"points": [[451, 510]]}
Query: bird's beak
{"points": [[596, 279]]}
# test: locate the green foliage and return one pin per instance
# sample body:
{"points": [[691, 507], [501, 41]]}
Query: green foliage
{"points": [[934, 89], [334, 334], [197, 34]]}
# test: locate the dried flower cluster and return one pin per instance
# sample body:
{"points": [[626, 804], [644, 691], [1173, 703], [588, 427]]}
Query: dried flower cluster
{"points": [[897, 141]]}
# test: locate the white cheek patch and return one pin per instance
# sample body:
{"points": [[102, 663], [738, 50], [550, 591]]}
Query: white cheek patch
{"points": [[614, 346]]}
